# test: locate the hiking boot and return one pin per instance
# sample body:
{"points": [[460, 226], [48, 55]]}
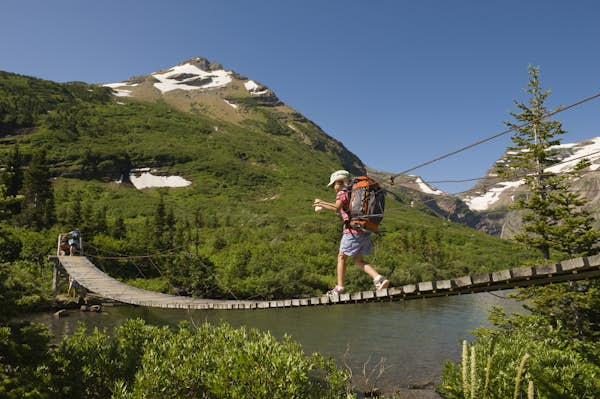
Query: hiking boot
{"points": [[381, 283], [337, 290]]}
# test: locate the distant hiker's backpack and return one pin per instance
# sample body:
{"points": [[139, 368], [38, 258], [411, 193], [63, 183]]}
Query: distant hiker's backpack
{"points": [[367, 203]]}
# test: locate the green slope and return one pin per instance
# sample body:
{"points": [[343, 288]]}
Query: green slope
{"points": [[249, 203]]}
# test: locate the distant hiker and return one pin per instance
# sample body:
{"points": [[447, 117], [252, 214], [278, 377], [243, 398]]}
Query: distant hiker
{"points": [[64, 247], [356, 242], [74, 241], [73, 285]]}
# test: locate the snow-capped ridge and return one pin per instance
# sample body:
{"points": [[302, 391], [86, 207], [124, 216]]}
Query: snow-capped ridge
{"points": [[567, 156]]}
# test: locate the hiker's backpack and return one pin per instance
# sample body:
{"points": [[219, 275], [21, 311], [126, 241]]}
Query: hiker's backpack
{"points": [[367, 203]]}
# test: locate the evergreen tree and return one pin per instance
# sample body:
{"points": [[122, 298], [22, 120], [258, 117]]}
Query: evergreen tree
{"points": [[13, 178], [160, 228], [119, 229], [75, 210], [38, 203], [552, 213], [100, 222], [14, 173]]}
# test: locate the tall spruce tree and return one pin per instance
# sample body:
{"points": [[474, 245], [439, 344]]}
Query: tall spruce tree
{"points": [[13, 178], [38, 203], [553, 215]]}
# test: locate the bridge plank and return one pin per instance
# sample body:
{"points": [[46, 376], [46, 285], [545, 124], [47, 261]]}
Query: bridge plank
{"points": [[573, 264], [522, 272], [368, 294], [356, 296], [425, 286], [482, 278], [548, 269], [502, 275], [464, 281], [594, 261], [409, 288]]}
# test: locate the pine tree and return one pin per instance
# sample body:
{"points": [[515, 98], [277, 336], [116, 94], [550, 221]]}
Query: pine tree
{"points": [[75, 216], [38, 203], [119, 229], [13, 178], [14, 173], [160, 225], [552, 214]]}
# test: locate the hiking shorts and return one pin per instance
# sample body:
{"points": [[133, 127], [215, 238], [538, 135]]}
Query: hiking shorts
{"points": [[354, 244]]}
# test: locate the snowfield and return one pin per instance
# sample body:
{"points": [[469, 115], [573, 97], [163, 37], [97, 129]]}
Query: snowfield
{"points": [[148, 180], [179, 76], [255, 89], [491, 196], [426, 188], [574, 153], [589, 148], [121, 92]]}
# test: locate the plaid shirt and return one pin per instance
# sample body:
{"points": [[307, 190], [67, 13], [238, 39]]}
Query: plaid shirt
{"points": [[344, 196]]}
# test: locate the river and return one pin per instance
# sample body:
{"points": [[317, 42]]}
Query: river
{"points": [[413, 338]]}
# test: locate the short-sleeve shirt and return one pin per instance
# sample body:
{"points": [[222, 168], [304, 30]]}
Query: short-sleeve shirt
{"points": [[344, 196]]}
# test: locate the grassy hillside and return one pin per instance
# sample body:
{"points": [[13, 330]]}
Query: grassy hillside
{"points": [[244, 227]]}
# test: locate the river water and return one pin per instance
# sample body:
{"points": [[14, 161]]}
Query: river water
{"points": [[413, 338]]}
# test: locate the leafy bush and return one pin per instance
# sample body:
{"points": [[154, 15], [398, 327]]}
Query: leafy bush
{"points": [[141, 361]]}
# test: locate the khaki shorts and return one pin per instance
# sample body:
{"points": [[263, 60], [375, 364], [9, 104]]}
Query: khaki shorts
{"points": [[354, 244]]}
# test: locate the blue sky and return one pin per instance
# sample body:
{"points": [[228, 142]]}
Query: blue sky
{"points": [[398, 82]]}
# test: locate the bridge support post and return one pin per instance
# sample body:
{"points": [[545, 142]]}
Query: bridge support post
{"points": [[55, 273]]}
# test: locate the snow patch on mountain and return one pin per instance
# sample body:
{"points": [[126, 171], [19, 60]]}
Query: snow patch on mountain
{"points": [[491, 195], [424, 187], [148, 180], [586, 149], [190, 77], [255, 89], [118, 91], [232, 105]]}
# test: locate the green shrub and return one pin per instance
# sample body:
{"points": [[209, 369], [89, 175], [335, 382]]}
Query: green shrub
{"points": [[141, 361]]}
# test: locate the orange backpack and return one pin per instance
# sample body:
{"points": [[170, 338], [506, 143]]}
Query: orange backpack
{"points": [[367, 203]]}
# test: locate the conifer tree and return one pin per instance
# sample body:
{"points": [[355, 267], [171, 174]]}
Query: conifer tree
{"points": [[552, 214], [14, 172], [38, 203], [119, 229], [75, 212]]}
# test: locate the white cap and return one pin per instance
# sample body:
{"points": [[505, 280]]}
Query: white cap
{"points": [[338, 175]]}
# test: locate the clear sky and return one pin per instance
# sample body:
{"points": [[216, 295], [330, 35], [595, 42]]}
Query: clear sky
{"points": [[398, 82]]}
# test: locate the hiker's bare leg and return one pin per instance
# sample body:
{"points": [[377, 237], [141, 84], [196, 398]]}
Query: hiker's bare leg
{"points": [[341, 269], [358, 261]]}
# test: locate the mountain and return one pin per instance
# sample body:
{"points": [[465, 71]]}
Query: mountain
{"points": [[213, 174], [493, 195], [198, 85], [485, 205]]}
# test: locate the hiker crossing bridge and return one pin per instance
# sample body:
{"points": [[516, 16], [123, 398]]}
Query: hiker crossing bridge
{"points": [[82, 270]]}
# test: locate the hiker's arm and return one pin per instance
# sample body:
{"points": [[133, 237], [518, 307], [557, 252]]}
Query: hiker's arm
{"points": [[328, 205]]}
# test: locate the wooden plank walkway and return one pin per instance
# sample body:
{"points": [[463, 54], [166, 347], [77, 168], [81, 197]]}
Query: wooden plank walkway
{"points": [[89, 276]]}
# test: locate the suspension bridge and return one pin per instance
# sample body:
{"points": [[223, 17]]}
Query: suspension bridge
{"points": [[87, 275]]}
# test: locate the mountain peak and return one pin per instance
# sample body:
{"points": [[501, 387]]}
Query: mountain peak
{"points": [[203, 64]]}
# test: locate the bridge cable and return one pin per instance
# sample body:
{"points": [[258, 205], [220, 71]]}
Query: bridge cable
{"points": [[484, 140]]}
